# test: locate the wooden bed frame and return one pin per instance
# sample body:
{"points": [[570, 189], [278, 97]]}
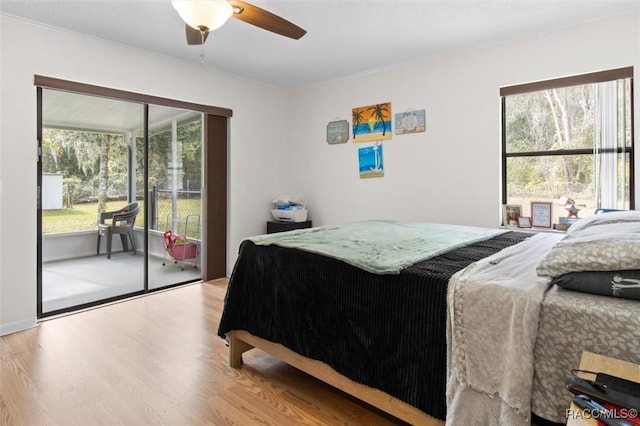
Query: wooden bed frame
{"points": [[241, 341]]}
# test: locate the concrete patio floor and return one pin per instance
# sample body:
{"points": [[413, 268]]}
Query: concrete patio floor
{"points": [[73, 282]]}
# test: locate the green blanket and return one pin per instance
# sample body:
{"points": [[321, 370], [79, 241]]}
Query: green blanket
{"points": [[380, 247]]}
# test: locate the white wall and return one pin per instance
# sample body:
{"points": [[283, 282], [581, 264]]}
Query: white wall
{"points": [[255, 147], [450, 173]]}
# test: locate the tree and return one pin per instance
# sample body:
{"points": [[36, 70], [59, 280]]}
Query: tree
{"points": [[356, 118], [572, 112], [190, 135], [77, 155], [103, 174], [554, 119], [379, 111]]}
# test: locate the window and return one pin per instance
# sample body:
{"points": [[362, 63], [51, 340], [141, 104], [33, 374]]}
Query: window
{"points": [[569, 139]]}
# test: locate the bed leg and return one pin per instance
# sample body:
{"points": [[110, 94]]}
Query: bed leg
{"points": [[236, 348]]}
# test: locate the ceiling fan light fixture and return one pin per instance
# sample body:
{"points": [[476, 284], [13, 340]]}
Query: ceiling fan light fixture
{"points": [[203, 15]]}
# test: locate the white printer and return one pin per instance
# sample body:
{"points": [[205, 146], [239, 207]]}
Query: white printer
{"points": [[289, 209]]}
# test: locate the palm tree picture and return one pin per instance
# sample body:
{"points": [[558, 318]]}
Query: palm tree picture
{"points": [[356, 118], [372, 122], [379, 112]]}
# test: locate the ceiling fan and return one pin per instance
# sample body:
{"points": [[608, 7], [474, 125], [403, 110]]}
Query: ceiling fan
{"points": [[203, 16]]}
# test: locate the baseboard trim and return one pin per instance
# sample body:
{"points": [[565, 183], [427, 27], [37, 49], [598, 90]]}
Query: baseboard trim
{"points": [[16, 326]]}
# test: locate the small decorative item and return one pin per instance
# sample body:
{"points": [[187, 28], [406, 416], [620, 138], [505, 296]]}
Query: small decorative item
{"points": [[337, 132], [567, 220], [524, 222], [510, 214], [410, 122], [370, 161], [572, 210], [372, 122], [540, 214]]}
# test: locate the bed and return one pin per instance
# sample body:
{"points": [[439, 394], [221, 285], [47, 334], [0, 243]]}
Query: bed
{"points": [[381, 337]]}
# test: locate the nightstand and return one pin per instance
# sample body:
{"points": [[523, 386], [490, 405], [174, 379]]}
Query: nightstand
{"points": [[277, 226]]}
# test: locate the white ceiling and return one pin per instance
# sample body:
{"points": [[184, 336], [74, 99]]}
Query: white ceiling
{"points": [[344, 37], [67, 110]]}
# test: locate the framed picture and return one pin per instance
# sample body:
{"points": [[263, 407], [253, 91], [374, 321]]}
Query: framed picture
{"points": [[510, 214], [337, 132], [372, 122], [524, 222], [370, 161], [540, 214], [410, 122]]}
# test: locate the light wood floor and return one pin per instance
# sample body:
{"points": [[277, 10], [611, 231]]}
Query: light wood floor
{"points": [[157, 360]]}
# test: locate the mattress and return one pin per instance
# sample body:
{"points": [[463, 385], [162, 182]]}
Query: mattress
{"points": [[571, 322]]}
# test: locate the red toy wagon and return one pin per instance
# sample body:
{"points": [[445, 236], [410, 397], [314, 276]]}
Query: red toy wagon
{"points": [[179, 248]]}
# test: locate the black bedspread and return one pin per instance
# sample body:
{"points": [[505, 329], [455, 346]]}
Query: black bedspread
{"points": [[384, 331]]}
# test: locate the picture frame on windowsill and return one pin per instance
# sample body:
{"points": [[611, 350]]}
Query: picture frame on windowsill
{"points": [[540, 214], [510, 215], [524, 222]]}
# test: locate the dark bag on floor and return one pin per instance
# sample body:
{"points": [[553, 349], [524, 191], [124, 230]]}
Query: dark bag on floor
{"points": [[607, 389]]}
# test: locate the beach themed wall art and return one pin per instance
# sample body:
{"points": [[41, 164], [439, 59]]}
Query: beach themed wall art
{"points": [[370, 161], [411, 121], [371, 123]]}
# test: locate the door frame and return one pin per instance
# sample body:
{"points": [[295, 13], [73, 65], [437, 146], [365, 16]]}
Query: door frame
{"points": [[214, 188]]}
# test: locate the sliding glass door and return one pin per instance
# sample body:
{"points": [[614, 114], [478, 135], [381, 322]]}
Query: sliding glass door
{"points": [[120, 211], [174, 189]]}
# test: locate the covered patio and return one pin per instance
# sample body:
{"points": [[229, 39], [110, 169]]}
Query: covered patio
{"points": [[72, 274]]}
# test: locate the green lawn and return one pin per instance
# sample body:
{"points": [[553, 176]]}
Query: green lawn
{"points": [[84, 217]]}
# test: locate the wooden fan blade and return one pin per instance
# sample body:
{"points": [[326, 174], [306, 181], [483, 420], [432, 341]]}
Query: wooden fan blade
{"points": [[195, 36], [261, 18]]}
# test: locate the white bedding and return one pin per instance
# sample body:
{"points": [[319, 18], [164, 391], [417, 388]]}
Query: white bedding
{"points": [[380, 246], [493, 309]]}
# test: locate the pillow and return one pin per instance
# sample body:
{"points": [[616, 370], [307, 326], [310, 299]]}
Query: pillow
{"points": [[602, 230], [604, 219], [624, 284], [590, 251]]}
